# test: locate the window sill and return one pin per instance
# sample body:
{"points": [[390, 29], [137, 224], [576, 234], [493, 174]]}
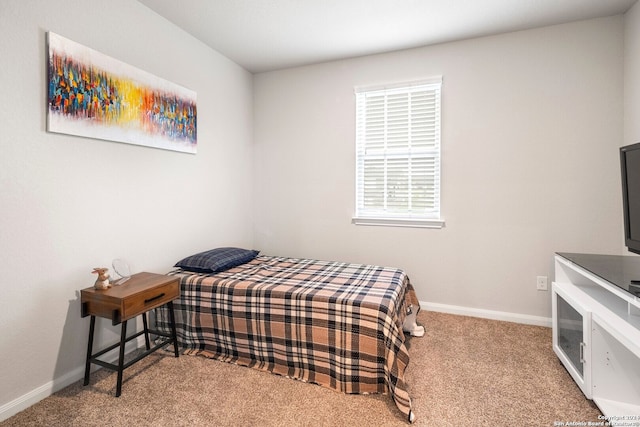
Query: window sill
{"points": [[413, 223]]}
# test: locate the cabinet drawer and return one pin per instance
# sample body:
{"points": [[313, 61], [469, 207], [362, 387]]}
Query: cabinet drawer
{"points": [[149, 299]]}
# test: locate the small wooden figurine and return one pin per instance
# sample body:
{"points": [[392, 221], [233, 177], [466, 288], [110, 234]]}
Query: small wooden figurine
{"points": [[102, 282]]}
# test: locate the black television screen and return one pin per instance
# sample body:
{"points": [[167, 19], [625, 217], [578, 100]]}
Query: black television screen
{"points": [[630, 166]]}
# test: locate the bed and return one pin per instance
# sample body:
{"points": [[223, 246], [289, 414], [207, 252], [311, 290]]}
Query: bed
{"points": [[335, 324]]}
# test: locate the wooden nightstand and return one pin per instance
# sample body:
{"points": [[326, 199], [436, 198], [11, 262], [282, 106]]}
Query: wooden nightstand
{"points": [[141, 293]]}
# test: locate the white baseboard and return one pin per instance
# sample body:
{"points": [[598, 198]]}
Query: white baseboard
{"points": [[34, 396], [487, 314]]}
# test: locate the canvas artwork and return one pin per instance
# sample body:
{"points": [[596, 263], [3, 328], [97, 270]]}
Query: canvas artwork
{"points": [[96, 96]]}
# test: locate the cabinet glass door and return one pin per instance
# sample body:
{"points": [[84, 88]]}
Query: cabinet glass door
{"points": [[570, 333]]}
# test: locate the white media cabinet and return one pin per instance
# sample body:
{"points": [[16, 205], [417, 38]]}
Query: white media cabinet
{"points": [[596, 328]]}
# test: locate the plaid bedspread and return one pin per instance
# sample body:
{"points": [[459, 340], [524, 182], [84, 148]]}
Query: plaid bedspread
{"points": [[335, 324]]}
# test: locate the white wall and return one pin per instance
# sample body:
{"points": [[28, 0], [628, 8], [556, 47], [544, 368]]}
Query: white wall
{"points": [[531, 125], [69, 204], [631, 79], [632, 75]]}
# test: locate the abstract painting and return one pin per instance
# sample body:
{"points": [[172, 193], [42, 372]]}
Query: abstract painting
{"points": [[93, 95]]}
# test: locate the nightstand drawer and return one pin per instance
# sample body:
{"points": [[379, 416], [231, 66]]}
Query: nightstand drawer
{"points": [[141, 293], [150, 299]]}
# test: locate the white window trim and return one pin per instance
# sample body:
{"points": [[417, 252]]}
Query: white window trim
{"points": [[422, 222], [411, 223]]}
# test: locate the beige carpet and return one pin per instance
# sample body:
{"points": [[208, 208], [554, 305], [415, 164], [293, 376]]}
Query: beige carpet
{"points": [[464, 372]]}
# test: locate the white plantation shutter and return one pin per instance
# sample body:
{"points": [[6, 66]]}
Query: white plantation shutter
{"points": [[398, 154]]}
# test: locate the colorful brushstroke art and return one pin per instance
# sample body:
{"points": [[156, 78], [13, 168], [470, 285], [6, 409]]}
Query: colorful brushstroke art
{"points": [[96, 96]]}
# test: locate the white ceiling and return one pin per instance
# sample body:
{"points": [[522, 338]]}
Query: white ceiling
{"points": [[264, 35]]}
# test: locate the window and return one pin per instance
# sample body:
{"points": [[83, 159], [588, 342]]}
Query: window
{"points": [[398, 155]]}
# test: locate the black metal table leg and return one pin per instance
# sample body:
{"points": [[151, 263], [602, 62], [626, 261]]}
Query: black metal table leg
{"points": [[174, 336], [146, 331], [87, 368], [123, 340]]}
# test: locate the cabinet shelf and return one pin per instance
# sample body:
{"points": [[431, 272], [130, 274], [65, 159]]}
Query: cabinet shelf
{"points": [[613, 407]]}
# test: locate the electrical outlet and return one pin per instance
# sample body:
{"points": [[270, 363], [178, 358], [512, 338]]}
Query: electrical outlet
{"points": [[541, 283]]}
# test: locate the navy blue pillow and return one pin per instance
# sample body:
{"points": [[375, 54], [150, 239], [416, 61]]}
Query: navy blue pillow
{"points": [[216, 260]]}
